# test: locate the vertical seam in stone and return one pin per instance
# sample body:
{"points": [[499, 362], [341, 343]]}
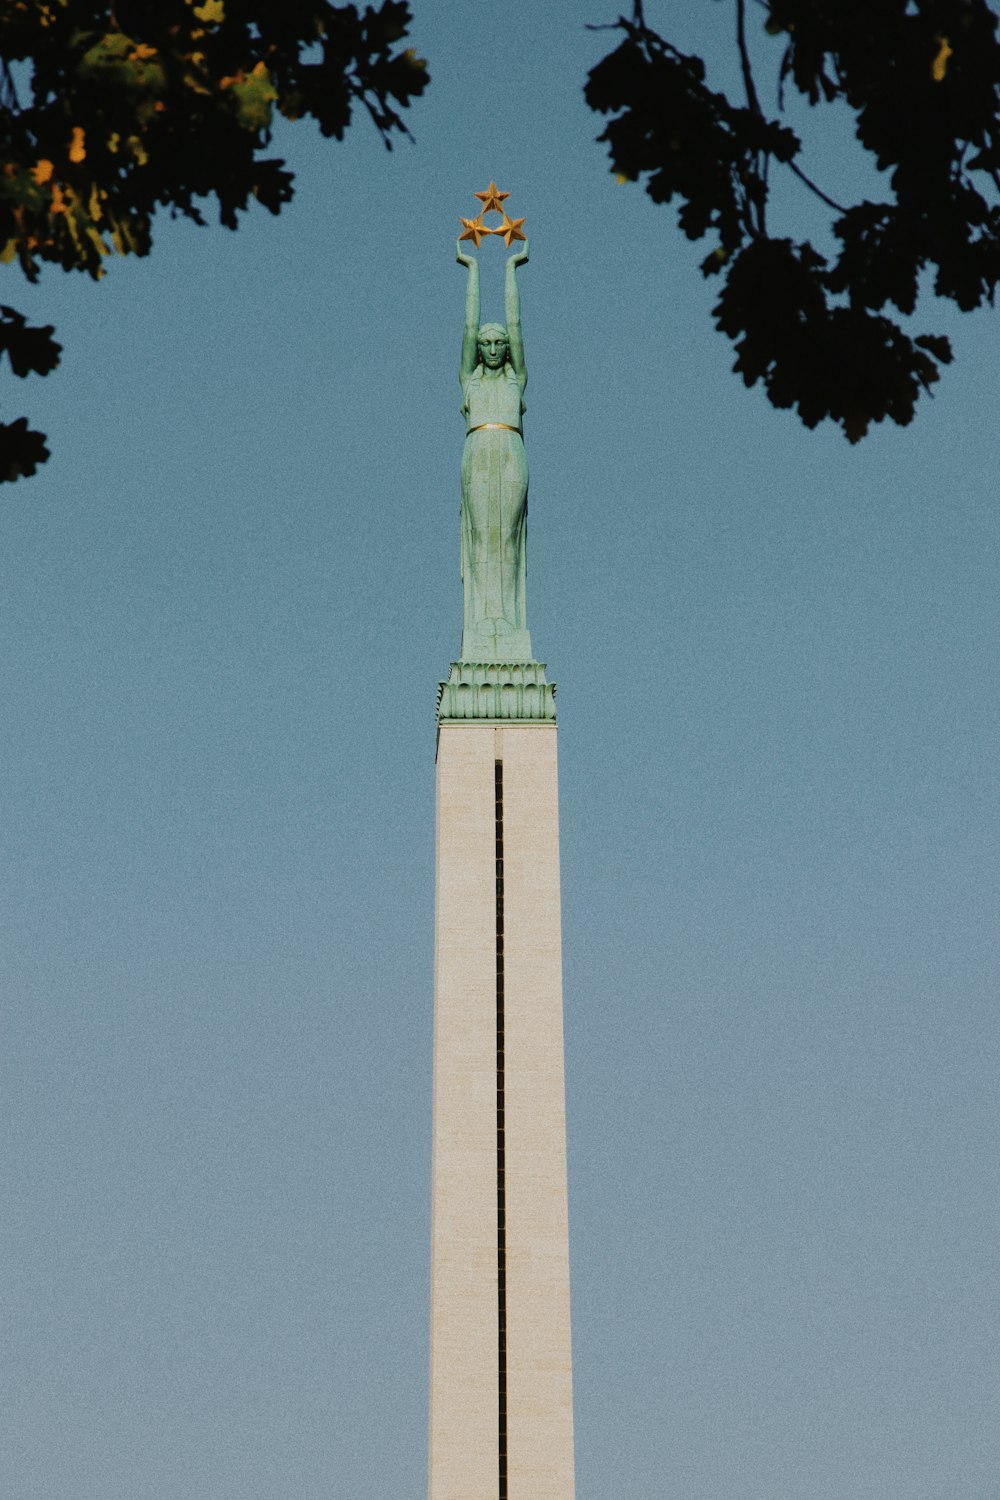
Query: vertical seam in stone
{"points": [[501, 1150]]}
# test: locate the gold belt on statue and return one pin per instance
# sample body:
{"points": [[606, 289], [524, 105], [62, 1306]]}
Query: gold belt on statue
{"points": [[494, 427]]}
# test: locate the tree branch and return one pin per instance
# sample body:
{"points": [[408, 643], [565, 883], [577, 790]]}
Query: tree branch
{"points": [[754, 104], [741, 38]]}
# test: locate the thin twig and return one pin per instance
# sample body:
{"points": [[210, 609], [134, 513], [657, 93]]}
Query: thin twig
{"points": [[830, 202], [638, 21]]}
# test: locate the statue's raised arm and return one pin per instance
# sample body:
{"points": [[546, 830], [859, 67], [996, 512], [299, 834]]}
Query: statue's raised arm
{"points": [[512, 308], [470, 338]]}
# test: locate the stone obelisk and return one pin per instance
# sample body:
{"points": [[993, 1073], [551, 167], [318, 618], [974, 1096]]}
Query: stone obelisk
{"points": [[501, 1413]]}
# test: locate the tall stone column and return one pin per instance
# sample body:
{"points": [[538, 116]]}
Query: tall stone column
{"points": [[501, 1422]]}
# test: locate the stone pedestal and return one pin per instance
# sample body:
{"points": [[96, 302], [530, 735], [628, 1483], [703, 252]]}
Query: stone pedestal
{"points": [[501, 1421]]}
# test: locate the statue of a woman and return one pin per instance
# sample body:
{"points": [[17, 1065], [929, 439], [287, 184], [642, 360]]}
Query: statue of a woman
{"points": [[494, 476]]}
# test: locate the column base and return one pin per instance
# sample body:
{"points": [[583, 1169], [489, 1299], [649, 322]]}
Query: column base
{"points": [[497, 692]]}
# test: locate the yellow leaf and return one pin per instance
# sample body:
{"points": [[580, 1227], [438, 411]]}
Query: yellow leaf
{"points": [[622, 177], [42, 170], [141, 51], [940, 64], [95, 238], [260, 71], [58, 201], [213, 12], [8, 252], [77, 149], [198, 77]]}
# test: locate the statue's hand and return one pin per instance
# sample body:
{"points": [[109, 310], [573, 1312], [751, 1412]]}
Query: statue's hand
{"points": [[520, 256], [462, 256]]}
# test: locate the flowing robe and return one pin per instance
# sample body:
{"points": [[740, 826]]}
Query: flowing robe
{"points": [[494, 519]]}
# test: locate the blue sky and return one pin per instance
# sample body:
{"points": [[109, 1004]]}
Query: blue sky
{"points": [[225, 607]]}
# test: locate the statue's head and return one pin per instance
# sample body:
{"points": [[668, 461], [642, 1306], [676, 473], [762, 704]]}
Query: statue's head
{"points": [[492, 346]]}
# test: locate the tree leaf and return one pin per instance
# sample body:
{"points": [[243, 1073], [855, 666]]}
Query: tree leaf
{"points": [[254, 96], [22, 450], [30, 350]]}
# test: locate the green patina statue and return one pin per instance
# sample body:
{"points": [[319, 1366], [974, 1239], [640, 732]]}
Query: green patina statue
{"points": [[494, 475], [496, 679]]}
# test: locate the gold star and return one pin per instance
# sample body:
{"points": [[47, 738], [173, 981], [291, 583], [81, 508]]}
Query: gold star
{"points": [[492, 198], [509, 228], [473, 229]]}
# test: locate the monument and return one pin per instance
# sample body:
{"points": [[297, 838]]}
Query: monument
{"points": [[501, 1410]]}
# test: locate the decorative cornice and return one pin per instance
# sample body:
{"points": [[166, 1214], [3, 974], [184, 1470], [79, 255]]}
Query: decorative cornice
{"points": [[502, 692]]}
